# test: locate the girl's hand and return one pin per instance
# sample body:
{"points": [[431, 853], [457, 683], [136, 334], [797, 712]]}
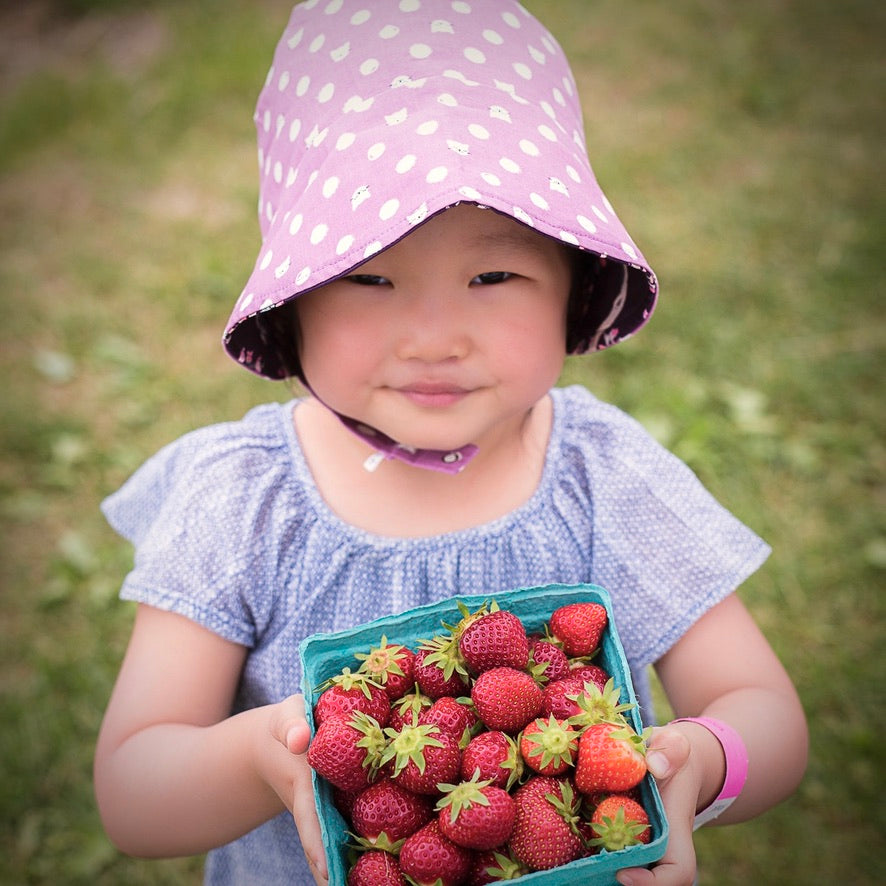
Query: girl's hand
{"points": [[670, 760], [289, 727]]}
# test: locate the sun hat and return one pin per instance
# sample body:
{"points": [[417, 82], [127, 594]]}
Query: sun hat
{"points": [[378, 114]]}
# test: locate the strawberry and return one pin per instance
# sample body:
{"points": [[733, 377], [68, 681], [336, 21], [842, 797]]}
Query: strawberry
{"points": [[506, 699], [547, 661], [439, 669], [559, 698], [549, 746], [452, 716], [493, 866], [611, 757], [376, 868], [386, 813], [347, 752], [599, 705], [347, 692], [421, 757], [493, 755], [545, 831], [475, 814], [429, 858], [619, 821], [578, 627], [390, 665], [497, 639], [588, 673], [408, 708]]}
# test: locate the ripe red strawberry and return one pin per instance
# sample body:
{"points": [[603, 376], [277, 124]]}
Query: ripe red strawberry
{"points": [[385, 813], [347, 692], [549, 746], [451, 716], [619, 821], [493, 755], [589, 673], [545, 831], [497, 639], [578, 627], [476, 815], [391, 666], [599, 705], [506, 699], [428, 856], [559, 699], [610, 758], [347, 752], [436, 672], [547, 661], [408, 708], [376, 868], [421, 757], [493, 866]]}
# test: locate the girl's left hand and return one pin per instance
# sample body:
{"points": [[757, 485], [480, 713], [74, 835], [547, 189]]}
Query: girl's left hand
{"points": [[669, 759]]}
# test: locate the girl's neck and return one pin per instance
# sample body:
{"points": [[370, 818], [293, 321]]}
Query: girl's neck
{"points": [[399, 500]]}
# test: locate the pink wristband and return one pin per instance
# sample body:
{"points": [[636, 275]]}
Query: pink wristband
{"points": [[736, 766]]}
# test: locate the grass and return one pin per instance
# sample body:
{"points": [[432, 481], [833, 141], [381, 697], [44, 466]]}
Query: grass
{"points": [[740, 144]]}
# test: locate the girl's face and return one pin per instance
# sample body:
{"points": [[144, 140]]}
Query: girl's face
{"points": [[446, 338]]}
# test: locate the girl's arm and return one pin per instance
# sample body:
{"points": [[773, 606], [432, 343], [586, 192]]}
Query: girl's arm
{"points": [[175, 774], [724, 668]]}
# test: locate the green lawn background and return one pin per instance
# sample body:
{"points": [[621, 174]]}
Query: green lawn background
{"points": [[742, 145]]}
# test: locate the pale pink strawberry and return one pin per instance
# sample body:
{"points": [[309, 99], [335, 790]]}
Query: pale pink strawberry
{"points": [[422, 756], [428, 856], [545, 831], [475, 814], [619, 821], [347, 752], [391, 666], [610, 758], [494, 756], [578, 627], [376, 868], [497, 639], [347, 692], [506, 699], [385, 813], [452, 716]]}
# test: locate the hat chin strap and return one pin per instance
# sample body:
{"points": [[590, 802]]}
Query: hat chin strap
{"points": [[447, 461]]}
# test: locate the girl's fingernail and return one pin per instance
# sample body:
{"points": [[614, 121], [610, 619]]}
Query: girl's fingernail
{"points": [[657, 764], [625, 881]]}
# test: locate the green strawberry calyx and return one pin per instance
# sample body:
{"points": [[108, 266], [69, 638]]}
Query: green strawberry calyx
{"points": [[408, 745]]}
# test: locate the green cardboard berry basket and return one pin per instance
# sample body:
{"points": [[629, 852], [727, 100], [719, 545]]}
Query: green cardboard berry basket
{"points": [[324, 655]]}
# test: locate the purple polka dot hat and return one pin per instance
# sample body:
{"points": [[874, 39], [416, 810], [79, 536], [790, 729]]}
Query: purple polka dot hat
{"points": [[378, 114]]}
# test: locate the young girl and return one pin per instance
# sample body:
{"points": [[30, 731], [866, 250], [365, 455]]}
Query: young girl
{"points": [[434, 243]]}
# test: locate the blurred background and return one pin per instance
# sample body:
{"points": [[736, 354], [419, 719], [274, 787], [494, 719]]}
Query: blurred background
{"points": [[741, 144]]}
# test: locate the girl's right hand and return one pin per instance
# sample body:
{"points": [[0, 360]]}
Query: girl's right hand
{"points": [[289, 727]]}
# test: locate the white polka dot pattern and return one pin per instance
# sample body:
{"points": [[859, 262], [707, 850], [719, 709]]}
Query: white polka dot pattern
{"points": [[375, 116]]}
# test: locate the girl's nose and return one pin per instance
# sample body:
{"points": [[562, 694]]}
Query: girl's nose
{"points": [[434, 327]]}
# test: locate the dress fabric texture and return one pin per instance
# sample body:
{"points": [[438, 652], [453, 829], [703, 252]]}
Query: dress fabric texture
{"points": [[230, 531]]}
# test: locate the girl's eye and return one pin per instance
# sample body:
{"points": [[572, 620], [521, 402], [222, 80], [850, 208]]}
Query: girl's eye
{"points": [[492, 277], [367, 280]]}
